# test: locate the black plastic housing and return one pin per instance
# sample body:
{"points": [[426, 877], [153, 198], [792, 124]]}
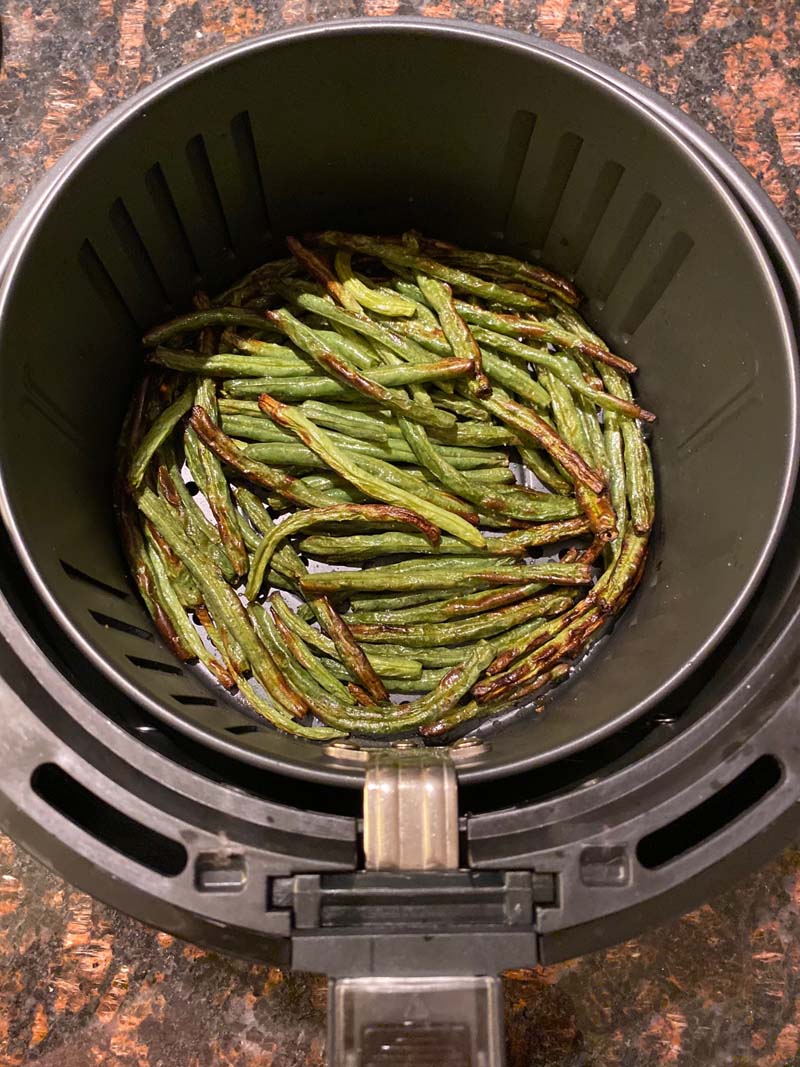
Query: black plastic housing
{"points": [[634, 817]]}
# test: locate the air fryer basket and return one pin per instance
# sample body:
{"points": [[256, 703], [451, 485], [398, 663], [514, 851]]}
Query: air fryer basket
{"points": [[378, 129], [157, 805]]}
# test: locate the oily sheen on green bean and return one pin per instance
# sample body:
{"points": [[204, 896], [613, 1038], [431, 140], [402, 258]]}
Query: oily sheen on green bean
{"points": [[384, 486]]}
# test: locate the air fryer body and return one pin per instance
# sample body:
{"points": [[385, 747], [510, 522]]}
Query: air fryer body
{"points": [[662, 766]]}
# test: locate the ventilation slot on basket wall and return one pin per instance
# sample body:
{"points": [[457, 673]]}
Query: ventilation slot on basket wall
{"points": [[713, 815], [173, 237], [190, 700], [91, 813], [105, 287], [120, 624], [656, 285], [569, 146], [81, 576], [200, 167], [592, 215], [629, 240], [519, 136], [252, 179], [155, 665], [131, 243]]}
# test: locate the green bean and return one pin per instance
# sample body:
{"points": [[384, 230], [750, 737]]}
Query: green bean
{"points": [[381, 513], [320, 442], [328, 389], [198, 320], [473, 710], [541, 466], [262, 431], [350, 345], [351, 377], [429, 337], [353, 423], [454, 685], [297, 676], [615, 463], [197, 526], [177, 616], [384, 301], [448, 691], [418, 487], [266, 349], [337, 630], [476, 435], [231, 366], [427, 681], [395, 342], [232, 653], [549, 333], [457, 334], [514, 502], [376, 602], [426, 657], [407, 429], [484, 475], [556, 364], [511, 377], [141, 569], [362, 547], [505, 267], [215, 484], [345, 494], [157, 434], [460, 631], [577, 625], [262, 275], [528, 423], [319, 269], [460, 280], [222, 601], [305, 656], [385, 663], [460, 574], [445, 610], [258, 473], [468, 409], [283, 721]]}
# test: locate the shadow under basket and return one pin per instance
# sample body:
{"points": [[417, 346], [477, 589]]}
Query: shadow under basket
{"points": [[376, 129]]}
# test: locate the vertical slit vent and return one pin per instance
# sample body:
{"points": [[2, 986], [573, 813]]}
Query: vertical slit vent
{"points": [[656, 285], [200, 167], [169, 218], [519, 136], [569, 145], [252, 178], [629, 240], [134, 248], [105, 287], [607, 181]]}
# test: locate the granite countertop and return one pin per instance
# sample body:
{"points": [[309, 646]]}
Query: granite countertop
{"points": [[81, 985]]}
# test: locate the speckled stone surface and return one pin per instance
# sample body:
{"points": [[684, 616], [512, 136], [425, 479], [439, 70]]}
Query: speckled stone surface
{"points": [[82, 985]]}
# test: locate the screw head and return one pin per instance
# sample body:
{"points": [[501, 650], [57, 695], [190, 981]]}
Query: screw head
{"points": [[468, 748], [346, 750]]}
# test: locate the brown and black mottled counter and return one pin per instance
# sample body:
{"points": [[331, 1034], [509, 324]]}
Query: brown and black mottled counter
{"points": [[82, 985]]}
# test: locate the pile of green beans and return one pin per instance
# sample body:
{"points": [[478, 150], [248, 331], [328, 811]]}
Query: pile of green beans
{"points": [[318, 491]]}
